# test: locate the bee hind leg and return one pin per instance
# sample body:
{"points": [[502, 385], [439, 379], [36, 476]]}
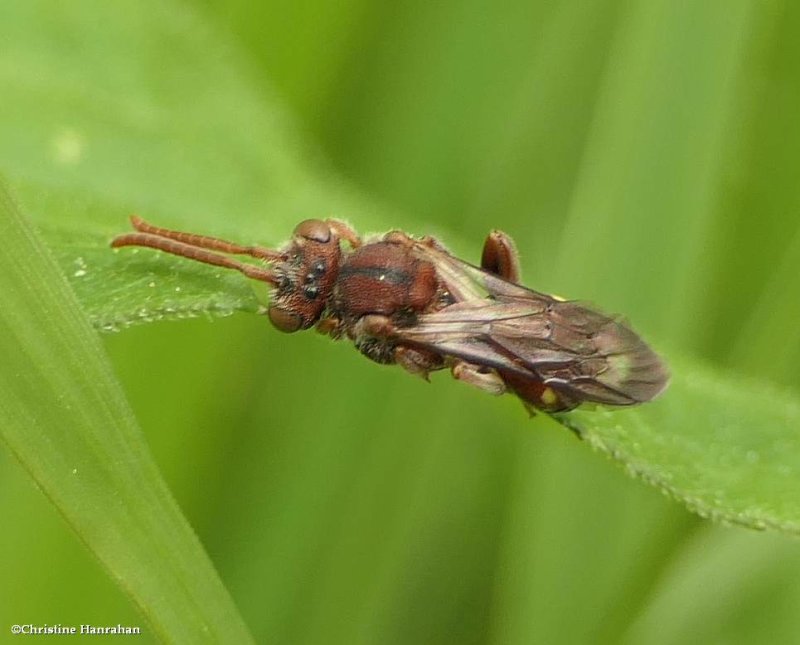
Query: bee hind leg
{"points": [[478, 376], [500, 256]]}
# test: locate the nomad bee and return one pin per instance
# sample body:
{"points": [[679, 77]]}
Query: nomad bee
{"points": [[406, 300]]}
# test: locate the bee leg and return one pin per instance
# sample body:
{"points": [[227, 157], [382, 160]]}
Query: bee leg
{"points": [[374, 326], [375, 337], [398, 237], [481, 377], [500, 256], [401, 237], [330, 327], [418, 361], [372, 337], [344, 232]]}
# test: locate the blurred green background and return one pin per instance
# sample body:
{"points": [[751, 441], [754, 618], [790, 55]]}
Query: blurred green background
{"points": [[644, 156]]}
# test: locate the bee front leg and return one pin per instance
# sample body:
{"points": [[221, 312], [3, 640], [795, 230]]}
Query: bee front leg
{"points": [[481, 377], [344, 232], [330, 327], [500, 256]]}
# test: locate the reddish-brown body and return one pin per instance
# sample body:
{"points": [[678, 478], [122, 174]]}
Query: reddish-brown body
{"points": [[406, 300], [383, 278]]}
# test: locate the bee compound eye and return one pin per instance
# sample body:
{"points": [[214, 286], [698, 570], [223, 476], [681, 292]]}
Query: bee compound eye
{"points": [[319, 268], [314, 229], [284, 320]]}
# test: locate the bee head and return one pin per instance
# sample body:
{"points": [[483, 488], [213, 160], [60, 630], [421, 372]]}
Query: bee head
{"points": [[305, 278]]}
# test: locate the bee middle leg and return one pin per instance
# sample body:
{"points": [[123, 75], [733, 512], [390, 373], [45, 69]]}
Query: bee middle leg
{"points": [[418, 361], [500, 256], [478, 376], [375, 337]]}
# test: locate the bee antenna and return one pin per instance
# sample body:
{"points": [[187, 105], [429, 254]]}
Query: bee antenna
{"points": [[199, 248]]}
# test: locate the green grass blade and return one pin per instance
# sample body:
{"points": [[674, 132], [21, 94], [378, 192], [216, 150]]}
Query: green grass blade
{"points": [[754, 587], [726, 446], [64, 417], [83, 177]]}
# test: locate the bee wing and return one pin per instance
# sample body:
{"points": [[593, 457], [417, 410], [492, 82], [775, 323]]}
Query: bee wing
{"points": [[578, 351], [575, 350]]}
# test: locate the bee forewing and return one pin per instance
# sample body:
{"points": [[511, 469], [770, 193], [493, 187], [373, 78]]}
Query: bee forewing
{"points": [[567, 345], [604, 362]]}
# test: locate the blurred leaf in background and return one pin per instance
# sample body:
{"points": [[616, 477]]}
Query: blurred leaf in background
{"points": [[643, 155]]}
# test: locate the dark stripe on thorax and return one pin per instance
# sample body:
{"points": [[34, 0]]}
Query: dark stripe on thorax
{"points": [[391, 276]]}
